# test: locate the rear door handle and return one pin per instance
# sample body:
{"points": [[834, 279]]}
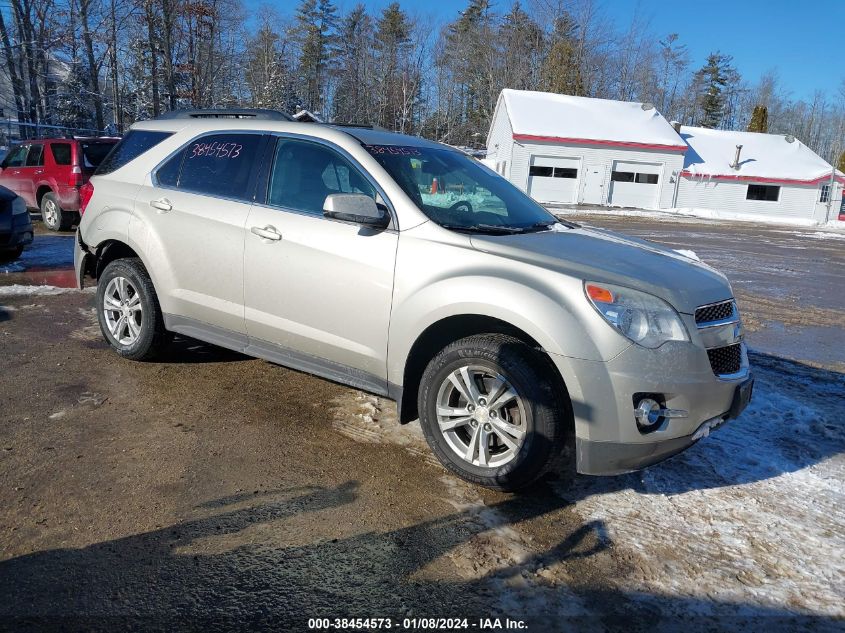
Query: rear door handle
{"points": [[268, 233], [162, 206], [39, 171]]}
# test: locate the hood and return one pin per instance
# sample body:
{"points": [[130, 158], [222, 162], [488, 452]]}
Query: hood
{"points": [[603, 256]]}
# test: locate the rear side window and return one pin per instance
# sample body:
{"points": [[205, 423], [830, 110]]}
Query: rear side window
{"points": [[215, 165], [61, 153], [94, 153], [135, 143], [35, 158], [16, 157]]}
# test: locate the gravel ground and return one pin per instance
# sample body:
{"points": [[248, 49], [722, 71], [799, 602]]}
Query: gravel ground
{"points": [[214, 491]]}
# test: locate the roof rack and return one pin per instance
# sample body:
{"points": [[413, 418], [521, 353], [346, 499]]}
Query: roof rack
{"points": [[256, 114]]}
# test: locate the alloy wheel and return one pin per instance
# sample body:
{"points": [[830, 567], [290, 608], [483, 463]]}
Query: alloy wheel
{"points": [[123, 310], [481, 416]]}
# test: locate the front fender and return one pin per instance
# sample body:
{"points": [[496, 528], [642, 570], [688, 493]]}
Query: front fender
{"points": [[540, 315]]}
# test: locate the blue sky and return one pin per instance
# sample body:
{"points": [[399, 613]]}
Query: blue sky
{"points": [[801, 39]]}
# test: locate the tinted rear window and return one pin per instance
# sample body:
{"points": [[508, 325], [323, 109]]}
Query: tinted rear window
{"points": [[61, 153], [94, 153], [135, 143]]}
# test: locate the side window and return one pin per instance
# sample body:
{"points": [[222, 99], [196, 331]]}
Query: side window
{"points": [[17, 156], [61, 153], [168, 174], [217, 165], [35, 158], [304, 173]]}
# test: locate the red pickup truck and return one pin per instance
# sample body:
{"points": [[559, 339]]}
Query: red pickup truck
{"points": [[47, 174]]}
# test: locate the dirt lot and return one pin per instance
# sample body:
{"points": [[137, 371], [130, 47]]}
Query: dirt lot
{"points": [[215, 491]]}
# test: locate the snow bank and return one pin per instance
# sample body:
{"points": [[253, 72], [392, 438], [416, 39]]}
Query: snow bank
{"points": [[703, 215], [18, 290]]}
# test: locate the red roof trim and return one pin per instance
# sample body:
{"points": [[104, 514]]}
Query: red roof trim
{"points": [[777, 181], [602, 143]]}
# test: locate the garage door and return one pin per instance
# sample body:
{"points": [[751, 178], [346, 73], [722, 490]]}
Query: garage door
{"points": [[553, 179], [635, 184]]}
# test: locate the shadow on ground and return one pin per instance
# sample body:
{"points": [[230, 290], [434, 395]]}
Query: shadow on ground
{"points": [[168, 578]]}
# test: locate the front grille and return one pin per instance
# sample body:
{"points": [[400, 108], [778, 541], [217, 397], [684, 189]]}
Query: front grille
{"points": [[714, 312], [725, 360]]}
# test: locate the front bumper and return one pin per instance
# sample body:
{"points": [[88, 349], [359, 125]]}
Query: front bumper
{"points": [[603, 394], [16, 231]]}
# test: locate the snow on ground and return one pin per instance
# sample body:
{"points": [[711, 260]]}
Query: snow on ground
{"points": [[18, 290], [46, 251], [753, 515], [705, 216]]}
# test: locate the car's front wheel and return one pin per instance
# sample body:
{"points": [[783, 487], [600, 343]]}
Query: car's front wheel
{"points": [[128, 310], [492, 411]]}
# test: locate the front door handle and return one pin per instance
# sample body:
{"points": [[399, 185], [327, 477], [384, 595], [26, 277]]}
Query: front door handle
{"points": [[268, 233], [162, 206]]}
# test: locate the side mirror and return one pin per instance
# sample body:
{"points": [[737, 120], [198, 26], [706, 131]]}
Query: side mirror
{"points": [[357, 208]]}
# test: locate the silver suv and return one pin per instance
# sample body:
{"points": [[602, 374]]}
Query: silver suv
{"points": [[407, 269]]}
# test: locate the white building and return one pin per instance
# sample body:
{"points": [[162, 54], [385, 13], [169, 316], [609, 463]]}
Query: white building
{"points": [[564, 149], [752, 175]]}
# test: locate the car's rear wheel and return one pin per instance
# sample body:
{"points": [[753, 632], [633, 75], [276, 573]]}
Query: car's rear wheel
{"points": [[492, 411], [52, 214], [128, 310]]}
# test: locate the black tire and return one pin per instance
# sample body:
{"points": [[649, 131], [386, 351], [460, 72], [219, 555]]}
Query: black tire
{"points": [[152, 337], [547, 411], [52, 214], [10, 255]]}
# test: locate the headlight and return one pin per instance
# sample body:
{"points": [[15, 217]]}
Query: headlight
{"points": [[18, 206], [643, 318]]}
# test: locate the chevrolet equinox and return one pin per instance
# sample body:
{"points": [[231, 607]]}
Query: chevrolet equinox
{"points": [[405, 268]]}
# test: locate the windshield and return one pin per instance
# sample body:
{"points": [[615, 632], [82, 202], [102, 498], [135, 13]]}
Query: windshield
{"points": [[458, 192]]}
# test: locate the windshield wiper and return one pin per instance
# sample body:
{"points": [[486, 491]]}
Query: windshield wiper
{"points": [[484, 228]]}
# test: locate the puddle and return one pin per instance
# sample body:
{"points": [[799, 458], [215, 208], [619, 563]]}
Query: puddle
{"points": [[47, 252]]}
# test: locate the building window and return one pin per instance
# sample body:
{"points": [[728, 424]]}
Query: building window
{"points": [[766, 193], [553, 172], [566, 172], [630, 176], [824, 194], [647, 179], [541, 170]]}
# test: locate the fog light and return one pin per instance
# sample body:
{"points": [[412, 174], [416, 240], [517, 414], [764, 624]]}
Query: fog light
{"points": [[650, 415]]}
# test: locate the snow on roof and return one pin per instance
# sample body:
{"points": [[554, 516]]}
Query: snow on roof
{"points": [[545, 116], [763, 156]]}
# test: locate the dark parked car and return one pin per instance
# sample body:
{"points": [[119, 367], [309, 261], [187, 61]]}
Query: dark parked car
{"points": [[48, 173], [15, 225]]}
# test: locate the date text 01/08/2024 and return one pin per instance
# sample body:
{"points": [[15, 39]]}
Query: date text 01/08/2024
{"points": [[414, 624]]}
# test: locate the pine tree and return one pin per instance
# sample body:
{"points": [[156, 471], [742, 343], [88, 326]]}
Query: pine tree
{"points": [[711, 80], [562, 68], [759, 119], [522, 47], [316, 33], [841, 163], [354, 97], [392, 38]]}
